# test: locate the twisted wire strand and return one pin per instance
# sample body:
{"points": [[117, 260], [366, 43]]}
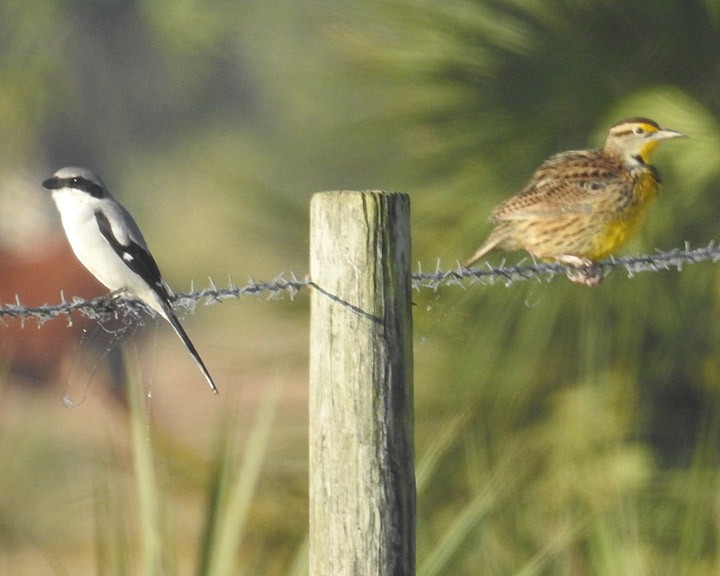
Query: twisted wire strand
{"points": [[287, 284], [508, 274]]}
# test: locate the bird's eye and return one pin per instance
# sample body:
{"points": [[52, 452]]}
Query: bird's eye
{"points": [[639, 130]]}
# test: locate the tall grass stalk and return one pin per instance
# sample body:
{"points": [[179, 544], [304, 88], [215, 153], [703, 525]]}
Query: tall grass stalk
{"points": [[148, 491], [232, 490]]}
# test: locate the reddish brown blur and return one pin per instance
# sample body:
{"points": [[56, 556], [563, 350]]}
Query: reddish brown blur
{"points": [[37, 353]]}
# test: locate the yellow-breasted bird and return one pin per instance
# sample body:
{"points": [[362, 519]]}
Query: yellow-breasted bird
{"points": [[581, 206]]}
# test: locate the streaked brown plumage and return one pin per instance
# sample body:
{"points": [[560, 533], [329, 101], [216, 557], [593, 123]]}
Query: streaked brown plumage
{"points": [[581, 206]]}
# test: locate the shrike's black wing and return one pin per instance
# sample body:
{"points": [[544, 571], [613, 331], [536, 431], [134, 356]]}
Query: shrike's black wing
{"points": [[135, 256]]}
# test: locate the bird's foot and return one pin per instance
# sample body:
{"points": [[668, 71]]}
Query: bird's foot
{"points": [[108, 302], [586, 272]]}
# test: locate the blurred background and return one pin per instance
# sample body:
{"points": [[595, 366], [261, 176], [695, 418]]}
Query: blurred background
{"points": [[559, 429]]}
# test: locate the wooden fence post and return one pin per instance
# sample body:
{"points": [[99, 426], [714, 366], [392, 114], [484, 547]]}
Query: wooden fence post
{"points": [[362, 478]]}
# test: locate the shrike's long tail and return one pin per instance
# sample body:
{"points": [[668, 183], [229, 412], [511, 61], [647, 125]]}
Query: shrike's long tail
{"points": [[169, 315]]}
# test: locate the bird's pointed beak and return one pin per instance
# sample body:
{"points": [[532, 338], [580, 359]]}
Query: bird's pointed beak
{"points": [[666, 133], [51, 183]]}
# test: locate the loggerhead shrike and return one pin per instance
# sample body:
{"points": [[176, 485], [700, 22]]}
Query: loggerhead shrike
{"points": [[108, 242]]}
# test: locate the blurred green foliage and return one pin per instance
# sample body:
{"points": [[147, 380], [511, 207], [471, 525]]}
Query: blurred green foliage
{"points": [[561, 430], [610, 393]]}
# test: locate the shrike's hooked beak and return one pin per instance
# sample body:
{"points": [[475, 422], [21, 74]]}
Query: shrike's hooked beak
{"points": [[52, 183]]}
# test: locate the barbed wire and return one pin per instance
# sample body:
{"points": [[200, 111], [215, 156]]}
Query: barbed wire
{"points": [[112, 307], [545, 271], [287, 284]]}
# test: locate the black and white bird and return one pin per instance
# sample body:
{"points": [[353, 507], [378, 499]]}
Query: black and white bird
{"points": [[108, 242]]}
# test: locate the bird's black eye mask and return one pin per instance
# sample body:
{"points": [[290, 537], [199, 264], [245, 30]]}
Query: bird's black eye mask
{"points": [[78, 182]]}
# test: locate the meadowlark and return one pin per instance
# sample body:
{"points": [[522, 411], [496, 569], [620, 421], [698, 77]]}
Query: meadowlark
{"points": [[583, 205]]}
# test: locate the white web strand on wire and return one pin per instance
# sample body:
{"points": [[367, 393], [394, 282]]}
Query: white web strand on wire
{"points": [[104, 308]]}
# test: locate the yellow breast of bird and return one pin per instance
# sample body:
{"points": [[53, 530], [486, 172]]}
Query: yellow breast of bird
{"points": [[624, 218]]}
